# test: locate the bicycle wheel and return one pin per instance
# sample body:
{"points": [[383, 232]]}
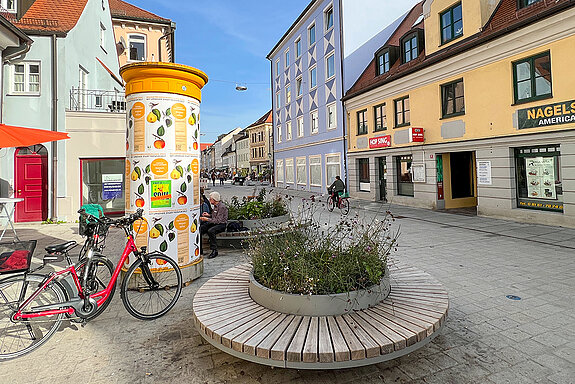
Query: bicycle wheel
{"points": [[330, 204], [99, 276], [344, 206], [148, 295], [20, 337]]}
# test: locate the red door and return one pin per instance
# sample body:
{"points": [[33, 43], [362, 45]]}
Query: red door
{"points": [[31, 183]]}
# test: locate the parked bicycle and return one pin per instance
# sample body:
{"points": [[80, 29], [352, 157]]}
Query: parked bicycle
{"points": [[342, 203], [32, 305]]}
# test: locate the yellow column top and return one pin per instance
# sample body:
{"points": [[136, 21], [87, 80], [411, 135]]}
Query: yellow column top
{"points": [[164, 77]]}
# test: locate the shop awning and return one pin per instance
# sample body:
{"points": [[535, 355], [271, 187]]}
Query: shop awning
{"points": [[11, 136]]}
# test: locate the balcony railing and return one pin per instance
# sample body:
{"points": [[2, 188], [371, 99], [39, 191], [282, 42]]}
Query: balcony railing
{"points": [[92, 100]]}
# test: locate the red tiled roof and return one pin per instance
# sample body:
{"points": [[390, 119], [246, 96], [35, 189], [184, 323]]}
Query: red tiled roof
{"points": [[55, 16], [267, 118], [204, 146], [124, 10]]}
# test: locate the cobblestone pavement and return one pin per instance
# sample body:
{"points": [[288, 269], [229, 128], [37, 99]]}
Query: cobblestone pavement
{"points": [[487, 338]]}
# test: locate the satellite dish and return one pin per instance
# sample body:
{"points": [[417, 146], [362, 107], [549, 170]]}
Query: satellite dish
{"points": [[121, 45]]}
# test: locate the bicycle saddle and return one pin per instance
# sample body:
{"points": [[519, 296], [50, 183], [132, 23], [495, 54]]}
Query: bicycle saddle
{"points": [[59, 248]]}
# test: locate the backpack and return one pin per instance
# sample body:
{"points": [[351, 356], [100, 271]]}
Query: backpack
{"points": [[234, 226]]}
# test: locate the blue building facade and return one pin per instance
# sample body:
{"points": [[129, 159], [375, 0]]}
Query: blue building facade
{"points": [[307, 83]]}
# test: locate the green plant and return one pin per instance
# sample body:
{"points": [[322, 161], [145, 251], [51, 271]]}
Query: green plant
{"points": [[258, 207], [314, 258]]}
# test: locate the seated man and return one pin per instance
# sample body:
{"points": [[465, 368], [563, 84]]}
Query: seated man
{"points": [[337, 187], [214, 223]]}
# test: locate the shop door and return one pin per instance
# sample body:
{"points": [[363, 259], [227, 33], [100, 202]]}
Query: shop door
{"points": [[382, 166], [459, 180], [31, 184]]}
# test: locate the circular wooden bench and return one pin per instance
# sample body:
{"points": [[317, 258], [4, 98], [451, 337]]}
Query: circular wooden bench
{"points": [[412, 315]]}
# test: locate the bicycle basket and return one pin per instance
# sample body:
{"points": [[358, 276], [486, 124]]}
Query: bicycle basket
{"points": [[16, 257], [91, 209], [344, 195]]}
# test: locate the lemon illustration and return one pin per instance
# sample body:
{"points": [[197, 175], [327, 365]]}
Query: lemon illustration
{"points": [[192, 119], [193, 227], [154, 233], [175, 174], [152, 118]]}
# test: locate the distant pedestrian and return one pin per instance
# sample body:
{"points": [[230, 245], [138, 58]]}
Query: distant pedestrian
{"points": [[213, 179], [222, 178]]}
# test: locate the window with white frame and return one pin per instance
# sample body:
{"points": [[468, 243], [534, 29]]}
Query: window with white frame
{"points": [[278, 100], [277, 67], [288, 94], [9, 5], [300, 132], [301, 170], [289, 171], [288, 130], [279, 133], [298, 87], [26, 77], [287, 58], [331, 116], [102, 36], [314, 122], [311, 35], [297, 47], [332, 167], [137, 44], [328, 18], [312, 77], [315, 170], [280, 171], [330, 66]]}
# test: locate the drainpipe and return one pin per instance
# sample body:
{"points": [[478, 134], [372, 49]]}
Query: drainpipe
{"points": [[54, 127], [172, 45]]}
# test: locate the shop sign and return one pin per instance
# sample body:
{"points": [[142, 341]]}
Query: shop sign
{"points": [[547, 206], [418, 172], [380, 142], [484, 172], [547, 115], [112, 186], [416, 135], [161, 194]]}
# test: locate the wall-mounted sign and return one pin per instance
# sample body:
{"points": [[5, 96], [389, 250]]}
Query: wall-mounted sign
{"points": [[416, 135], [484, 172], [418, 172], [546, 115], [112, 186], [380, 141]]}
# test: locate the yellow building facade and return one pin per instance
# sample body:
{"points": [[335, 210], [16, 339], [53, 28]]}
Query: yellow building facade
{"points": [[483, 118]]}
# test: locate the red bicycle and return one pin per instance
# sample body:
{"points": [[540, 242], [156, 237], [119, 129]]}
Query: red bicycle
{"points": [[32, 306], [342, 202]]}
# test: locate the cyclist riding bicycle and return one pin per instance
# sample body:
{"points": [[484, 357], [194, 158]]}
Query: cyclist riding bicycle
{"points": [[336, 189]]}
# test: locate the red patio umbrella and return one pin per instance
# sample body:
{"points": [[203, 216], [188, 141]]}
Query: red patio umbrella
{"points": [[11, 136]]}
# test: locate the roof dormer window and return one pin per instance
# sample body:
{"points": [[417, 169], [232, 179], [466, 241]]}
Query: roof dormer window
{"points": [[411, 46], [526, 3], [384, 59]]}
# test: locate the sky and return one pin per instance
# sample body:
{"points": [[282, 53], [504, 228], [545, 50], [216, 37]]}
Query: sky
{"points": [[229, 40]]}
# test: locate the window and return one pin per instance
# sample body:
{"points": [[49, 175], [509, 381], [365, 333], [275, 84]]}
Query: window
{"points": [[288, 94], [331, 116], [330, 66], [301, 170], [314, 122], [451, 24], [538, 172], [277, 67], [311, 35], [280, 171], [328, 18], [300, 132], [287, 58], [526, 3], [363, 171], [298, 48], [26, 78], [532, 78], [289, 171], [315, 170], [137, 45], [9, 5], [312, 77], [102, 36], [298, 87], [409, 48], [278, 100], [380, 119], [382, 63], [332, 167], [402, 112], [102, 183], [452, 101], [279, 133], [404, 179], [362, 122], [288, 130]]}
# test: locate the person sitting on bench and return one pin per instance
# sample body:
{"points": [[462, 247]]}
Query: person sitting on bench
{"points": [[214, 223]]}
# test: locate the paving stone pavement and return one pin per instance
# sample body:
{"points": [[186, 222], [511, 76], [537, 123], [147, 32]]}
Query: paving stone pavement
{"points": [[487, 337]]}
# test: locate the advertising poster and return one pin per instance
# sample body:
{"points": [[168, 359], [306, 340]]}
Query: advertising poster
{"points": [[541, 177], [484, 172], [111, 186], [162, 171]]}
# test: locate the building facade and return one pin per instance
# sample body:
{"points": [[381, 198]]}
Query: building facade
{"points": [[260, 135], [471, 107], [242, 145]]}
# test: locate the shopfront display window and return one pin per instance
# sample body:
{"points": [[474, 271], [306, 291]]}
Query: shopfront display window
{"points": [[404, 176], [103, 183], [538, 172]]}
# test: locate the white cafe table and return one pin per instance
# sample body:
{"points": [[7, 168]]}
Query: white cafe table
{"points": [[7, 213]]}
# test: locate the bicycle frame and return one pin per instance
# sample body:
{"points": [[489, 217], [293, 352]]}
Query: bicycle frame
{"points": [[102, 295]]}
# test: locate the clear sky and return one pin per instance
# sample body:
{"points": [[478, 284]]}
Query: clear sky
{"points": [[229, 40]]}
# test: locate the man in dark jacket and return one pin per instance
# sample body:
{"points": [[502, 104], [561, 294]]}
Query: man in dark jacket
{"points": [[214, 223], [337, 187]]}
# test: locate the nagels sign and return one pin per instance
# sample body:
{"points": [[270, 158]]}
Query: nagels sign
{"points": [[380, 141], [546, 115]]}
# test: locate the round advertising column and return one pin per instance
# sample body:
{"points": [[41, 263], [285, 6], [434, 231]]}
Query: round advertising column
{"points": [[163, 159]]}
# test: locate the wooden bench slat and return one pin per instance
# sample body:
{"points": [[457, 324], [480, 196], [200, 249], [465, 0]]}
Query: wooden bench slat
{"points": [[205, 311], [340, 347], [396, 331], [214, 330], [372, 349], [385, 343], [296, 346], [419, 313], [278, 351], [249, 346], [356, 348], [325, 347], [247, 333], [407, 319], [311, 347], [263, 349], [230, 331]]}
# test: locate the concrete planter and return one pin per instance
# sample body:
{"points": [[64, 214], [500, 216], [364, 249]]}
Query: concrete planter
{"points": [[320, 305], [266, 223]]}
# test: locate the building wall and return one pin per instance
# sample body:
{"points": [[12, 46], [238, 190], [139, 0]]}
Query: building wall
{"points": [[243, 154], [260, 140], [152, 31]]}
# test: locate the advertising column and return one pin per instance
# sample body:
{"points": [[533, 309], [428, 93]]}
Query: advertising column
{"points": [[162, 159]]}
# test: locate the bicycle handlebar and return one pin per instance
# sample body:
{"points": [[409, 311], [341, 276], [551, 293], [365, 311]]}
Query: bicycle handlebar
{"points": [[120, 222]]}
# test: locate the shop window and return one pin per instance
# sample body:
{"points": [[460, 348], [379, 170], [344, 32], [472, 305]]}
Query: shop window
{"points": [[363, 171], [379, 114], [315, 170], [289, 171], [526, 3], [532, 78], [451, 24], [301, 170], [362, 122], [538, 173], [452, 100], [402, 112], [280, 171], [404, 177], [103, 183]]}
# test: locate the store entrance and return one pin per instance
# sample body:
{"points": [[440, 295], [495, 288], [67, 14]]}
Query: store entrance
{"points": [[459, 180], [382, 167]]}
